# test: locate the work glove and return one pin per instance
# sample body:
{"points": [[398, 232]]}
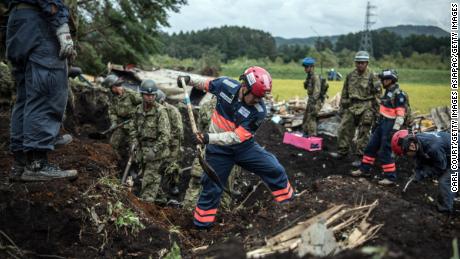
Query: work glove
{"points": [[179, 80], [65, 41], [200, 138]]}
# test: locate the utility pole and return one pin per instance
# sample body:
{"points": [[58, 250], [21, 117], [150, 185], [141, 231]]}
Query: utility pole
{"points": [[318, 40], [366, 38]]}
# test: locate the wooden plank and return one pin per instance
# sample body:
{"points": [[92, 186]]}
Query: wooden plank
{"points": [[445, 116], [297, 230], [437, 120]]}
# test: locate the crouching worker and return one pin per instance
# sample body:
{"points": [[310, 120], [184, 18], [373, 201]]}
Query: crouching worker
{"points": [[432, 155], [239, 112]]}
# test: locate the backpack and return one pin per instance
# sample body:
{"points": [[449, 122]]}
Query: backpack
{"points": [[324, 86]]}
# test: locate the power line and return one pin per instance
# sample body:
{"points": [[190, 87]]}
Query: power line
{"points": [[366, 38]]}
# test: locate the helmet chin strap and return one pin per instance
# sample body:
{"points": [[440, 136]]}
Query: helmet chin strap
{"points": [[148, 105], [408, 141], [244, 85]]}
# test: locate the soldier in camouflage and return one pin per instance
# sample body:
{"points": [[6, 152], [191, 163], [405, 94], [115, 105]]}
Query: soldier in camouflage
{"points": [[194, 186], [151, 133], [3, 23], [122, 106], [359, 108], [315, 100], [7, 89], [172, 171]]}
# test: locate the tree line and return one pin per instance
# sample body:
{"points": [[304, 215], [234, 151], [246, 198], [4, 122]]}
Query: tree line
{"points": [[129, 32], [231, 41], [235, 42]]}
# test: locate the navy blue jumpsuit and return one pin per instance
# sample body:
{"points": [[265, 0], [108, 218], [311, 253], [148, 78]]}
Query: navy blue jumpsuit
{"points": [[392, 105], [231, 141], [32, 48], [433, 160]]}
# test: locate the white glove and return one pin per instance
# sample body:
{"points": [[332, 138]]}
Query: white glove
{"points": [[65, 41]]}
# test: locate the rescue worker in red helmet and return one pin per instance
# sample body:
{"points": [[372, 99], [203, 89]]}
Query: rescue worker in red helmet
{"points": [[392, 114], [239, 112], [432, 153]]}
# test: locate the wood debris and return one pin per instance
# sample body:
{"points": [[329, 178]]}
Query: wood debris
{"points": [[349, 225]]}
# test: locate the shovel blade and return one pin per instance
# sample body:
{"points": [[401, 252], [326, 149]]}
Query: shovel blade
{"points": [[209, 170]]}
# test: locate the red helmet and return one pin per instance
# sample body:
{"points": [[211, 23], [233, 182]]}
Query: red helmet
{"points": [[396, 141], [258, 81]]}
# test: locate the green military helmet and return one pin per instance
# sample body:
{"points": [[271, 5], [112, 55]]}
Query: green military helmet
{"points": [[148, 86], [161, 96], [111, 80], [362, 56]]}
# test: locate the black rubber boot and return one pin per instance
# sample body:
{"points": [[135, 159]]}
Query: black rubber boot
{"points": [[39, 169], [18, 167]]}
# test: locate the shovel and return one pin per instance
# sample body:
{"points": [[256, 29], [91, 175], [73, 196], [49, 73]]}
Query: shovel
{"points": [[206, 167], [411, 179]]}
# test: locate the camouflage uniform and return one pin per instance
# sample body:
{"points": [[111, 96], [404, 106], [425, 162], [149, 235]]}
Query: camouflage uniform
{"points": [[194, 186], [315, 102], [3, 23], [359, 106], [7, 88], [121, 109], [172, 172], [152, 132]]}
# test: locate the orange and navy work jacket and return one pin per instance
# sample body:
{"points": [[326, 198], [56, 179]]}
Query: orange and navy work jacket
{"points": [[232, 121], [393, 103]]}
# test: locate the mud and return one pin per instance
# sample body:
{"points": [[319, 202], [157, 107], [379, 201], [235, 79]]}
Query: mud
{"points": [[55, 218]]}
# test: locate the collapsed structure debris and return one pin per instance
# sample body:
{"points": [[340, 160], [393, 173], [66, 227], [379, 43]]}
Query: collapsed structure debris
{"points": [[317, 235]]}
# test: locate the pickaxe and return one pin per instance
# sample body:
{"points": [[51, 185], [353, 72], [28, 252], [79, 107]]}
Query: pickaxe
{"points": [[206, 167]]}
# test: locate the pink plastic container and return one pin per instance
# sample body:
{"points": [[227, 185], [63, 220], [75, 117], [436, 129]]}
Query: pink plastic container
{"points": [[296, 139]]}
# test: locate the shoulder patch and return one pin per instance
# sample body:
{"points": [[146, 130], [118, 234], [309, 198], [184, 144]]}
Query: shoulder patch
{"points": [[225, 97], [259, 107], [243, 111], [229, 83]]}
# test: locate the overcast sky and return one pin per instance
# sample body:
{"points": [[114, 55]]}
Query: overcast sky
{"points": [[296, 18]]}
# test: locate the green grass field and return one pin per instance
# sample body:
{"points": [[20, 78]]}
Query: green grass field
{"points": [[426, 88], [295, 71], [422, 97]]}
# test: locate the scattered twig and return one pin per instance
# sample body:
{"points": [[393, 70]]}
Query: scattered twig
{"points": [[16, 248], [302, 193], [180, 234], [339, 218], [248, 196]]}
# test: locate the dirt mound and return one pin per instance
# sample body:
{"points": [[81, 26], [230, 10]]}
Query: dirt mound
{"points": [[75, 219]]}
